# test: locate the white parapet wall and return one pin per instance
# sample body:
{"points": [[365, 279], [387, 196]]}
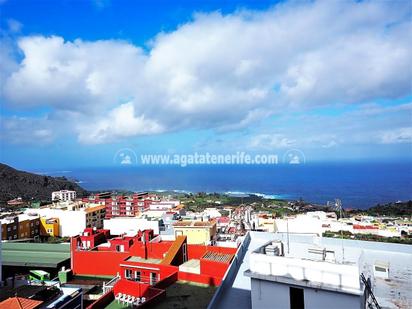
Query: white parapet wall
{"points": [[130, 225], [342, 277]]}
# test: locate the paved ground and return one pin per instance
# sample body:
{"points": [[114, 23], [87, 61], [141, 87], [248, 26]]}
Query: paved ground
{"points": [[181, 295]]}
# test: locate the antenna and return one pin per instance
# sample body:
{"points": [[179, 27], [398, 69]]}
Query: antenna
{"points": [[338, 207]]}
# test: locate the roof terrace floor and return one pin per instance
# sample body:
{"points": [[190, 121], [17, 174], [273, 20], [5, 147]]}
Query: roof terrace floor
{"points": [[183, 294]]}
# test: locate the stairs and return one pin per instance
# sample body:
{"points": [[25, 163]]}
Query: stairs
{"points": [[174, 250]]}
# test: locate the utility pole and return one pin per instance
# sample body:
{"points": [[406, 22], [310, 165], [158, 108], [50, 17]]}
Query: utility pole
{"points": [[287, 232]]}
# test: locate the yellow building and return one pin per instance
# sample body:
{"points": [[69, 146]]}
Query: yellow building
{"points": [[49, 227], [197, 232]]}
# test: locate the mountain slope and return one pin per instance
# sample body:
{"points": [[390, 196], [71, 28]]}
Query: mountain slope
{"points": [[14, 183]]}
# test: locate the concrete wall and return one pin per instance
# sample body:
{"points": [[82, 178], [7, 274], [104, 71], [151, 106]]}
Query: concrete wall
{"points": [[266, 294], [195, 235], [130, 226], [346, 277]]}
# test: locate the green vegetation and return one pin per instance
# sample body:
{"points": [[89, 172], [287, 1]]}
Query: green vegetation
{"points": [[199, 201], [401, 209], [368, 237]]}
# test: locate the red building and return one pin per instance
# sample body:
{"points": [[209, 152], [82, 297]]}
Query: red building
{"points": [[123, 206], [145, 265]]}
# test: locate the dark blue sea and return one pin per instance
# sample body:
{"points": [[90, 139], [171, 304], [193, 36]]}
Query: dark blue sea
{"points": [[358, 185]]}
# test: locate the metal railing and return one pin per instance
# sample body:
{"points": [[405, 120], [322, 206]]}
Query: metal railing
{"points": [[370, 293]]}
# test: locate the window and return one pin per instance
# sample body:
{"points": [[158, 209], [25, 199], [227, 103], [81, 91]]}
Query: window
{"points": [[137, 275], [128, 273], [296, 297], [184, 253], [153, 278]]}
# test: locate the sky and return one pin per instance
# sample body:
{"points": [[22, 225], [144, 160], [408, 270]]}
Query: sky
{"points": [[80, 80]]}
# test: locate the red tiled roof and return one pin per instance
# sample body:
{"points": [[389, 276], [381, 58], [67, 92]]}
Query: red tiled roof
{"points": [[20, 303], [223, 219], [365, 227]]}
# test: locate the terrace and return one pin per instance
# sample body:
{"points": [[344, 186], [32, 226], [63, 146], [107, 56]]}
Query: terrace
{"points": [[149, 267]]}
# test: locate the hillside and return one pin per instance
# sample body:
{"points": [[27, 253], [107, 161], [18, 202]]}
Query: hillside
{"points": [[14, 183], [392, 209]]}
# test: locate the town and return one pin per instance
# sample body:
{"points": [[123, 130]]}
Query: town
{"points": [[124, 250]]}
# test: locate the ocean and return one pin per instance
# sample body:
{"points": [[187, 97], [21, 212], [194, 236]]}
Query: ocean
{"points": [[358, 185]]}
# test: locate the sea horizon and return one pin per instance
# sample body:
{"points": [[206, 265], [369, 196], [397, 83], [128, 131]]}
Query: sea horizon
{"points": [[358, 184]]}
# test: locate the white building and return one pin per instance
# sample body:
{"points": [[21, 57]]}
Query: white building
{"points": [[63, 195], [130, 225], [281, 280], [73, 217], [163, 205], [321, 272]]}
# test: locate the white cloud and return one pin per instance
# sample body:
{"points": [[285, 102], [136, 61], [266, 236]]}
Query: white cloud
{"points": [[397, 136], [21, 130], [120, 122], [270, 141], [331, 144], [221, 71]]}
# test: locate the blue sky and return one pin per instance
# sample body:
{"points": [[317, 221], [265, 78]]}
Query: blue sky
{"points": [[82, 79]]}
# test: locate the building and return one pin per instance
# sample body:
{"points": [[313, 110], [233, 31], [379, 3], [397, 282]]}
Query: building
{"points": [[163, 205], [309, 279], [19, 257], [10, 228], [73, 217], [122, 206], [64, 195], [277, 270], [130, 225], [144, 266], [46, 295], [16, 202], [49, 227], [19, 226], [21, 303], [29, 226], [197, 232]]}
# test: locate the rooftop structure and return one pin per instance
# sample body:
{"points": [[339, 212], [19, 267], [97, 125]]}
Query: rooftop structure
{"points": [[144, 266], [35, 255], [130, 225], [48, 294], [319, 267], [197, 232], [20, 303]]}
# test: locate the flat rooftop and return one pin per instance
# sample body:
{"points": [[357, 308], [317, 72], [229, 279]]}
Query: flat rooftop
{"points": [[194, 223], [390, 293], [142, 260], [34, 254], [217, 257]]}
